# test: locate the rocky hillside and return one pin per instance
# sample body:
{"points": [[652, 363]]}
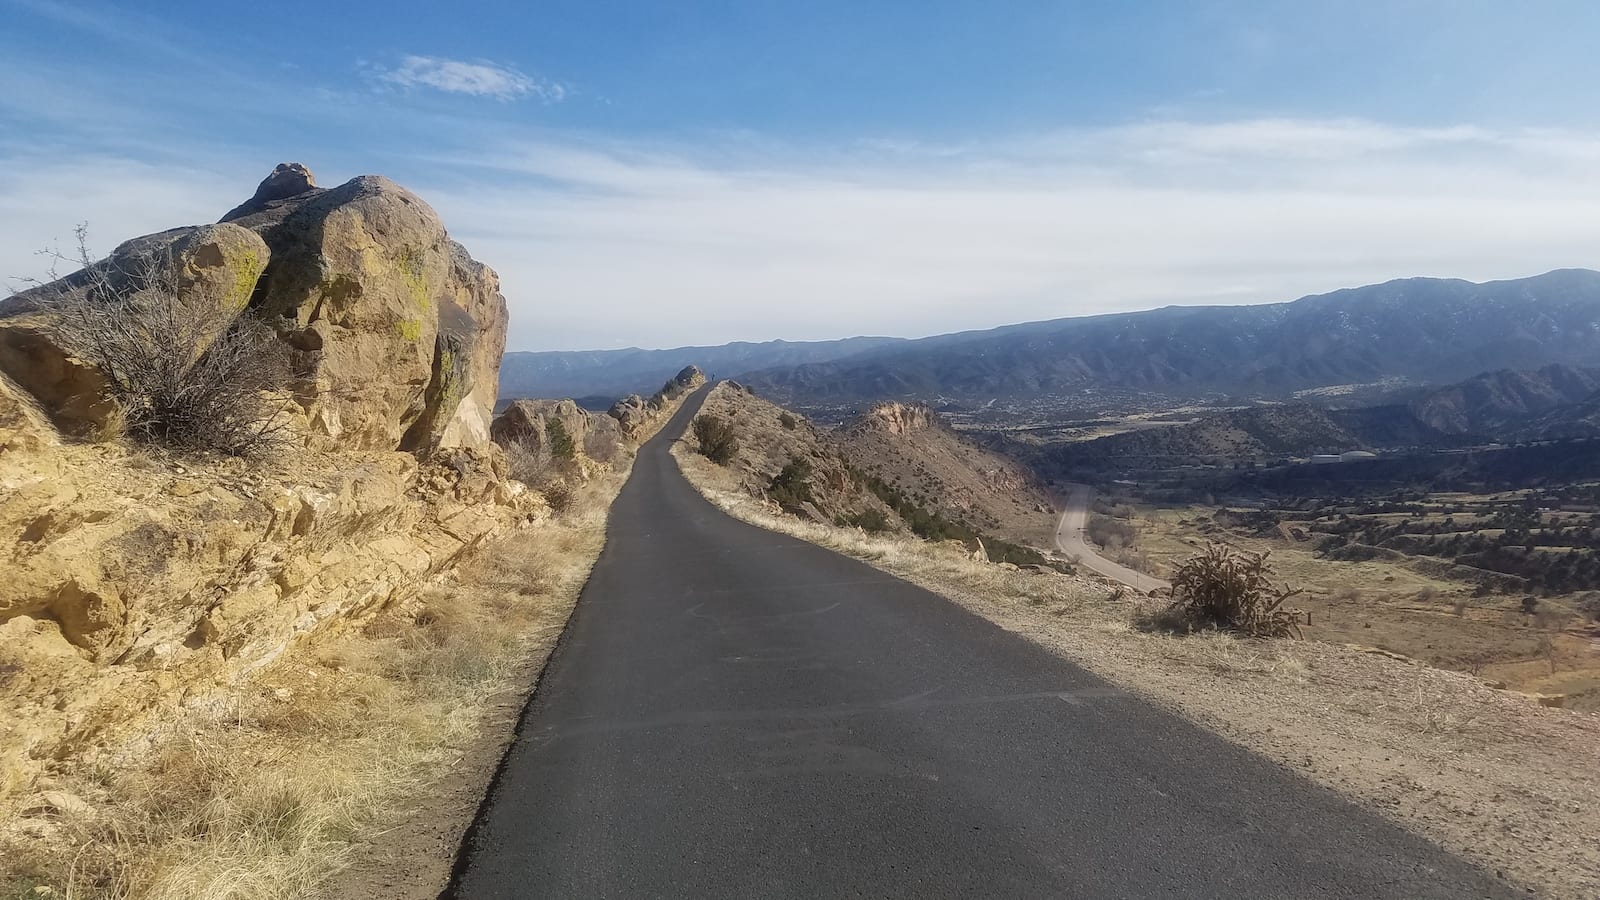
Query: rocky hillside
{"points": [[800, 469], [140, 578], [1495, 403], [1424, 329], [769, 438], [910, 449]]}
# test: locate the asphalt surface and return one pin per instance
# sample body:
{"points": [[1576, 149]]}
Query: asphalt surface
{"points": [[736, 713], [1071, 541]]}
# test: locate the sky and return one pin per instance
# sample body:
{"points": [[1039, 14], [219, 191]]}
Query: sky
{"points": [[666, 173]]}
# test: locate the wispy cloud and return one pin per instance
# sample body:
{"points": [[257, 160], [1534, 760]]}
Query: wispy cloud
{"points": [[601, 242], [477, 78]]}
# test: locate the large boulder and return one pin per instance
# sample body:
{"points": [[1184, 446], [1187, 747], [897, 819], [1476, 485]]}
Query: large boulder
{"points": [[399, 331], [217, 265], [527, 422]]}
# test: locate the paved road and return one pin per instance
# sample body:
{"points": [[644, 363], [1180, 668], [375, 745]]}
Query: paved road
{"points": [[1070, 540], [735, 713]]}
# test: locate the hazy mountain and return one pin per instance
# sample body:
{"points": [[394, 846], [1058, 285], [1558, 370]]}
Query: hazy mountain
{"points": [[1426, 329], [614, 373], [1488, 403]]}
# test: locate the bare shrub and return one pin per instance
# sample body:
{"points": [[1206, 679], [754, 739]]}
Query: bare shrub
{"points": [[1230, 589], [188, 372], [600, 447], [788, 421], [717, 440], [530, 463]]}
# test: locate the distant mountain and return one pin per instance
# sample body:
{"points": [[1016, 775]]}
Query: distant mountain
{"points": [[1503, 406], [615, 373], [1489, 403], [1426, 329]]}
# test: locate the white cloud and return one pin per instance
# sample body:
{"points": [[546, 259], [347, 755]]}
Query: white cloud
{"points": [[478, 79], [602, 244]]}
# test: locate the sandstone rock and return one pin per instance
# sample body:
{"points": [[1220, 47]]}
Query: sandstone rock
{"points": [[527, 422], [287, 180], [632, 414], [210, 264], [399, 331], [899, 418], [466, 364], [22, 426]]}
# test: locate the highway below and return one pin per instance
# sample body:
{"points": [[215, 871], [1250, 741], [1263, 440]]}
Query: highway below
{"points": [[1071, 540], [736, 713]]}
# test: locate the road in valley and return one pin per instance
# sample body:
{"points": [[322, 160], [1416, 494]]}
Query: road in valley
{"points": [[737, 713], [1071, 541]]}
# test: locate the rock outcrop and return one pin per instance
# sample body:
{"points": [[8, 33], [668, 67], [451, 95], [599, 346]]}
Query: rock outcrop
{"points": [[136, 583], [636, 415], [528, 422], [398, 329], [898, 418], [397, 332]]}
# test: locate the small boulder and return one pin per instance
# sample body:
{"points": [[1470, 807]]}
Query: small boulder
{"points": [[287, 180]]}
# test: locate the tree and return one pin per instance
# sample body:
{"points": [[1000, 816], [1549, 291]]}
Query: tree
{"points": [[561, 443]]}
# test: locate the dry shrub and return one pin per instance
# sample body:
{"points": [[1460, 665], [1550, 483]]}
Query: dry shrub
{"points": [[187, 371], [1228, 589], [716, 437], [559, 495], [601, 447]]}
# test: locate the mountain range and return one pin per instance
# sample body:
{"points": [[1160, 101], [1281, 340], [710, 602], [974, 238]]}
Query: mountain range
{"points": [[1504, 406], [1426, 330], [615, 373]]}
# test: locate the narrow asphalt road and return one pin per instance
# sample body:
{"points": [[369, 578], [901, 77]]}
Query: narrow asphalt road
{"points": [[736, 713], [1071, 541]]}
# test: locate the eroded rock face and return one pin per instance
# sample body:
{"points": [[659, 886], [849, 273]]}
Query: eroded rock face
{"points": [[23, 428], [899, 418]]}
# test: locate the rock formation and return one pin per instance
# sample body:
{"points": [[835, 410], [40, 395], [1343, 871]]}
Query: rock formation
{"points": [[899, 418], [136, 582], [527, 422], [396, 330]]}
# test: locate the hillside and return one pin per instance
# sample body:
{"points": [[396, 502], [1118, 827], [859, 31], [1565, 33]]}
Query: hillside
{"points": [[909, 448], [1423, 329], [791, 465], [615, 373], [1492, 403]]}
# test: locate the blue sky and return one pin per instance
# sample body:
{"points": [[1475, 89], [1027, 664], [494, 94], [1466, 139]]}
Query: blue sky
{"points": [[656, 174]]}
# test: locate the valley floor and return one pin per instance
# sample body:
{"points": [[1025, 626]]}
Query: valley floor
{"points": [[1485, 773]]}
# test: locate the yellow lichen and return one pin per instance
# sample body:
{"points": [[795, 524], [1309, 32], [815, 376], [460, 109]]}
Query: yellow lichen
{"points": [[246, 271], [410, 329], [413, 271]]}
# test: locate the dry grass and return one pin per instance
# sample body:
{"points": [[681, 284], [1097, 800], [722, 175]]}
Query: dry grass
{"points": [[1487, 774], [265, 793]]}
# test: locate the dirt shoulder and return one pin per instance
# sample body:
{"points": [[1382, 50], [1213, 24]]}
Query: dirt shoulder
{"points": [[1487, 774]]}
